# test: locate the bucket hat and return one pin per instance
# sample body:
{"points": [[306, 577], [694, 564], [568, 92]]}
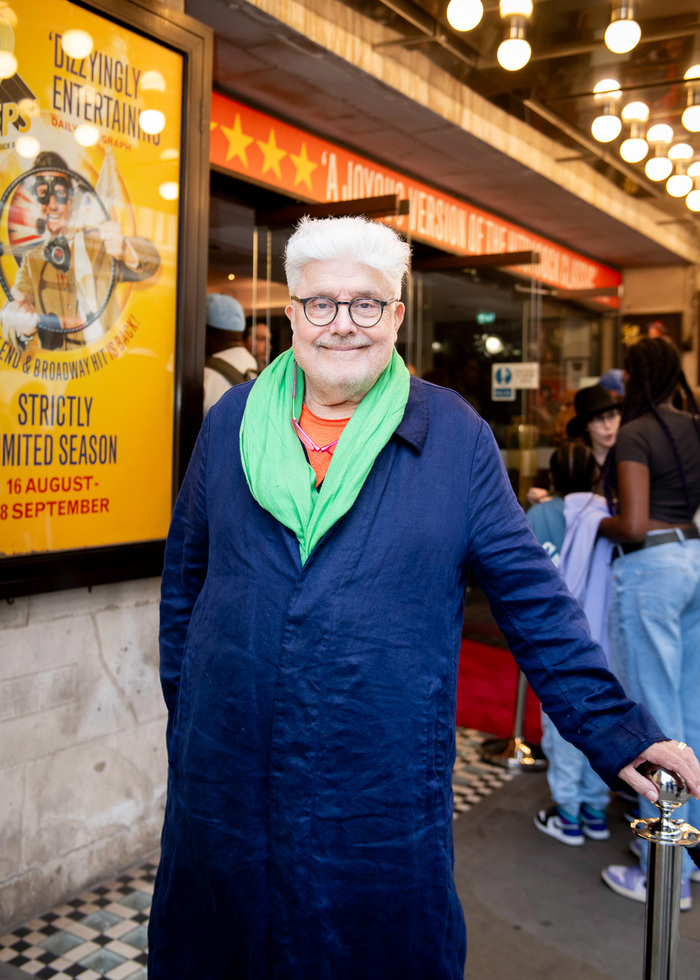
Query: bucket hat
{"points": [[589, 402]]}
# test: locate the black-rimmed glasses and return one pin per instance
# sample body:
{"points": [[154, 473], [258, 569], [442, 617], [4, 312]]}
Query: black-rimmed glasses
{"points": [[364, 311]]}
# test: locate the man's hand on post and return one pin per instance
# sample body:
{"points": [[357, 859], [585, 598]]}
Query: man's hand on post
{"points": [[675, 757]]}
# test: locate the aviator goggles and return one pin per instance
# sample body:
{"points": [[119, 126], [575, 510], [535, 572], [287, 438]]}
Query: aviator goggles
{"points": [[58, 187], [364, 311]]}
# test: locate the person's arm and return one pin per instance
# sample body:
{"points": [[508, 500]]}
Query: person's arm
{"points": [[549, 637], [184, 572], [631, 523]]}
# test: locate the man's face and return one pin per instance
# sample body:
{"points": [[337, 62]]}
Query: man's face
{"points": [[260, 342], [54, 193], [343, 360]]}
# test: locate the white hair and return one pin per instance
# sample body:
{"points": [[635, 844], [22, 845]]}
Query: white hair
{"points": [[359, 239]]}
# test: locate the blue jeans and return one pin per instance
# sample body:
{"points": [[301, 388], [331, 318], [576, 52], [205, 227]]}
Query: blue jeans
{"points": [[571, 779], [655, 646]]}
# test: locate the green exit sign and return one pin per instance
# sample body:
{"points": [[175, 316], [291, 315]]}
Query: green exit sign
{"points": [[484, 316]]}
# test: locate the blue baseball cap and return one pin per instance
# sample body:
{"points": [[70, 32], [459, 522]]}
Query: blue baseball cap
{"points": [[225, 313], [612, 380]]}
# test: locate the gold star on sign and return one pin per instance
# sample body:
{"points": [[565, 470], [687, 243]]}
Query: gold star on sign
{"points": [[304, 167], [237, 141], [272, 153]]}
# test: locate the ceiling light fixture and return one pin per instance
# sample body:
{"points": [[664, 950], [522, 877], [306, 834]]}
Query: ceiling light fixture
{"points": [[679, 184], [463, 15], [693, 200], [658, 166], [691, 113], [681, 151], [623, 31], [514, 51], [607, 124], [635, 147]]}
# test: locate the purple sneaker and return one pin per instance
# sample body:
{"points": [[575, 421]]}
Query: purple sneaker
{"points": [[631, 883], [560, 825]]}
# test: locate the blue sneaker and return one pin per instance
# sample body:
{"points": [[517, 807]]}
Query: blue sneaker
{"points": [[631, 883], [594, 823], [560, 825]]}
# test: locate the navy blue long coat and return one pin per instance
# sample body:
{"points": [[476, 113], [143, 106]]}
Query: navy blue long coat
{"points": [[308, 829]]}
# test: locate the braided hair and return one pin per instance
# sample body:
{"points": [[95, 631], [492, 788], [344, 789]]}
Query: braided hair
{"points": [[654, 372], [573, 467]]}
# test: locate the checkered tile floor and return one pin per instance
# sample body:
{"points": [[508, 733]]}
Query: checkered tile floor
{"points": [[473, 779], [102, 933]]}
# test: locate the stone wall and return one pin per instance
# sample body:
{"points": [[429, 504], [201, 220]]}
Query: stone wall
{"points": [[82, 751]]}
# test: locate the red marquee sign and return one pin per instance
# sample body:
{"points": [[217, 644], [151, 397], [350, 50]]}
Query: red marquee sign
{"points": [[270, 152]]}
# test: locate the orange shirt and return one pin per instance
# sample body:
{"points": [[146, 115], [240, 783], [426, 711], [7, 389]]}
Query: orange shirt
{"points": [[322, 431]]}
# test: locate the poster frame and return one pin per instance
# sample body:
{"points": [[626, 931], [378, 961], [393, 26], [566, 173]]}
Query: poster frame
{"points": [[88, 566]]}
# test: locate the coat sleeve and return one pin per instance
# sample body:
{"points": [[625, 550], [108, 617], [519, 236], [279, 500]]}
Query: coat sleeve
{"points": [[545, 626], [185, 569]]}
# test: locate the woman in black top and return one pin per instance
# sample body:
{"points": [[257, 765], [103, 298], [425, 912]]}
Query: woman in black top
{"points": [[655, 583]]}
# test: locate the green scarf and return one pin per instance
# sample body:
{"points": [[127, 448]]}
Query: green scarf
{"points": [[276, 468]]}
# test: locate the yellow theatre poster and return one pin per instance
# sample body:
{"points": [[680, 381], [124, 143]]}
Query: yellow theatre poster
{"points": [[90, 134]]}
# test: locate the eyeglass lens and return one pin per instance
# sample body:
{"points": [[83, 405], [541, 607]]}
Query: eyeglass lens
{"points": [[58, 187], [364, 312]]}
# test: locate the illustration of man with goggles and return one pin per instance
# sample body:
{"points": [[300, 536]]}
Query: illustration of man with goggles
{"points": [[63, 294]]}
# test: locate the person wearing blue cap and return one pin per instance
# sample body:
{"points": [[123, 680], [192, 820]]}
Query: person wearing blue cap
{"points": [[228, 362], [613, 381]]}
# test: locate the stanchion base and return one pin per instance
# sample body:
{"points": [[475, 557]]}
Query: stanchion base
{"points": [[513, 753]]}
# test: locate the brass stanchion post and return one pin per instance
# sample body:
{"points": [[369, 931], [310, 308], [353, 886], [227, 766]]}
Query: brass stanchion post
{"points": [[514, 752]]}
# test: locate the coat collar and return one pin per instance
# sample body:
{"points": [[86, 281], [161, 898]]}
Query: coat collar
{"points": [[413, 427]]}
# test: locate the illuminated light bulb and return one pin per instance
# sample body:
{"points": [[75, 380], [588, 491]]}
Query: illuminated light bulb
{"points": [[77, 43], [170, 154], [515, 8], [634, 149], [607, 88], [694, 169], [660, 133], [693, 200], [86, 134], [607, 126], [169, 190], [27, 146], [463, 15], [678, 185], [635, 112], [693, 72], [681, 151], [623, 32], [493, 344], [691, 113], [152, 121], [513, 53], [658, 168], [8, 64]]}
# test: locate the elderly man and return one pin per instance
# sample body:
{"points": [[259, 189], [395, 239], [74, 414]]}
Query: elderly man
{"points": [[312, 606], [68, 275]]}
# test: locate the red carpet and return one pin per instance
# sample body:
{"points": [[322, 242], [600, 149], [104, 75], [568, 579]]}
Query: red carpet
{"points": [[486, 689]]}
